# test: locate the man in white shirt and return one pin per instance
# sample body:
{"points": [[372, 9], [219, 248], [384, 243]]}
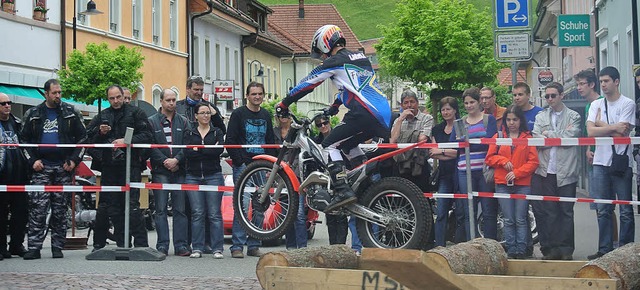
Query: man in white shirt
{"points": [[611, 116]]}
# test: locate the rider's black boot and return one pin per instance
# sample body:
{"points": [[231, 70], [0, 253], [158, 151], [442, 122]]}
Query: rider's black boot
{"points": [[343, 194]]}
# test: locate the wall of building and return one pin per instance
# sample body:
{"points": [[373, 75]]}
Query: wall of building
{"points": [[163, 67], [616, 41], [225, 59]]}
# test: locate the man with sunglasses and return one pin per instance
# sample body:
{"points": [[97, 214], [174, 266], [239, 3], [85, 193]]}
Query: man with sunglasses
{"points": [[186, 107], [13, 170], [557, 175]]}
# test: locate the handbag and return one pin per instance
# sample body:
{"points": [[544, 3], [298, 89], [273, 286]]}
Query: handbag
{"points": [[488, 171], [619, 162]]}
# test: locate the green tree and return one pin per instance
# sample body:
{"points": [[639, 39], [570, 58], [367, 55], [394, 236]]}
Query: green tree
{"points": [[88, 74], [448, 43]]}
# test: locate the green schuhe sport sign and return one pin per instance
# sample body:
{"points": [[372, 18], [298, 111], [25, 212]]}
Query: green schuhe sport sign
{"points": [[574, 30]]}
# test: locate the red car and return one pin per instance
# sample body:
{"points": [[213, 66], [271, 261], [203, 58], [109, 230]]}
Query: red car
{"points": [[227, 208]]}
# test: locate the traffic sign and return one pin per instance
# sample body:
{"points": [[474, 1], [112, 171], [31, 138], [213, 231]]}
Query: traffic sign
{"points": [[513, 46], [512, 14], [545, 77], [574, 30]]}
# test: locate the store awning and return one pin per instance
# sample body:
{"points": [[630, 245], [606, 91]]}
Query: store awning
{"points": [[34, 96]]}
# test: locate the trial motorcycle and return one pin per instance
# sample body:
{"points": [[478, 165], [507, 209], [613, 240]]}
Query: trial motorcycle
{"points": [[391, 212]]}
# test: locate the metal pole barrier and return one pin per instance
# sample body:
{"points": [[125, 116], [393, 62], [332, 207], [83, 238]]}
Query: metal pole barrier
{"points": [[461, 130], [127, 195]]}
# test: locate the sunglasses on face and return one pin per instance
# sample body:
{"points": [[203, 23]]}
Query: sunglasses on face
{"points": [[6, 103], [322, 124], [553, 96]]}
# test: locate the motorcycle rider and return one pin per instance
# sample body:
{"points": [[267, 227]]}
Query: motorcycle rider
{"points": [[352, 74]]}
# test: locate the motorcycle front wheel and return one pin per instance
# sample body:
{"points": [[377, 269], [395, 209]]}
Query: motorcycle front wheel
{"points": [[408, 213], [270, 219]]}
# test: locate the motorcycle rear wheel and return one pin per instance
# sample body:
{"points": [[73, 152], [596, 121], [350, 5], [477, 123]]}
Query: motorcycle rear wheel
{"points": [[269, 220], [408, 211]]}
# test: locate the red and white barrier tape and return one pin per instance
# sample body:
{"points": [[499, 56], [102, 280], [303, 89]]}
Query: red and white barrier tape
{"points": [[61, 188], [173, 186], [537, 142], [531, 197]]}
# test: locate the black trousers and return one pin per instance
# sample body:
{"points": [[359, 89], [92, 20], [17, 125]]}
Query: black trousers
{"points": [[554, 219], [338, 227], [15, 203], [111, 206]]}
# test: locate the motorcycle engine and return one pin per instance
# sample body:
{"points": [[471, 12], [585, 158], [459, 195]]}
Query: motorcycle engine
{"points": [[318, 197]]}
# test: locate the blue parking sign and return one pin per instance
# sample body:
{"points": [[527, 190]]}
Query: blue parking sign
{"points": [[512, 14]]}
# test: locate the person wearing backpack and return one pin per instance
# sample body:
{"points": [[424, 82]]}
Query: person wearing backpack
{"points": [[514, 165], [479, 125]]}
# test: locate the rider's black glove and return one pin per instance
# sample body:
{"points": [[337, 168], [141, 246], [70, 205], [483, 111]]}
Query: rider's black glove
{"points": [[331, 111], [282, 109]]}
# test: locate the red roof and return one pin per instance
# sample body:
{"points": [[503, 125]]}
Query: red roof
{"points": [[505, 77], [368, 45], [286, 18]]}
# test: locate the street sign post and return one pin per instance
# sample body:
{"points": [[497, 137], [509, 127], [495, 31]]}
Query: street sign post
{"points": [[513, 46], [512, 14], [574, 30]]}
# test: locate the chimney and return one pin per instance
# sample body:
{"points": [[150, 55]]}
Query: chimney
{"points": [[300, 8]]}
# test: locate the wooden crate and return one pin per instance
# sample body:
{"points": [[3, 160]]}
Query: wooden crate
{"points": [[410, 269]]}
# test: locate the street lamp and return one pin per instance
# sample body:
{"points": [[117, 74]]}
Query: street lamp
{"points": [[289, 84], [260, 71], [91, 10]]}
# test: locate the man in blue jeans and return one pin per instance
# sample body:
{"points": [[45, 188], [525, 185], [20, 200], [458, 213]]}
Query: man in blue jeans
{"points": [[248, 125], [167, 166], [612, 116]]}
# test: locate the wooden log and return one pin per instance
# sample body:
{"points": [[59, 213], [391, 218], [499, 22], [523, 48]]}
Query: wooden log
{"points": [[622, 263], [478, 256], [334, 256]]}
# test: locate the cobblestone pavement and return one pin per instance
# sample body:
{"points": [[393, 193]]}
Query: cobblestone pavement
{"points": [[100, 281]]}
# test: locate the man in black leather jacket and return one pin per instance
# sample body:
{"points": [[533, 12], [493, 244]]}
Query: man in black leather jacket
{"points": [[109, 126], [51, 122]]}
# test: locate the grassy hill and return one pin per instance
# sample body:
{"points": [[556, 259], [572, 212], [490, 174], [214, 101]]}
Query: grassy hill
{"points": [[364, 16]]}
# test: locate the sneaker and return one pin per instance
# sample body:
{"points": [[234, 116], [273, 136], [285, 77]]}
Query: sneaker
{"points": [[254, 253], [4, 254], [17, 251], [32, 255], [196, 254], [595, 256], [237, 254], [164, 251], [56, 253], [183, 252], [218, 255]]}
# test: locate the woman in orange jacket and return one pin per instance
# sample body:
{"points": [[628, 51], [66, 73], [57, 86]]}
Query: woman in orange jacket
{"points": [[514, 166]]}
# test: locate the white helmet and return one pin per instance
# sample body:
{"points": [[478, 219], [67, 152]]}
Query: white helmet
{"points": [[325, 39]]}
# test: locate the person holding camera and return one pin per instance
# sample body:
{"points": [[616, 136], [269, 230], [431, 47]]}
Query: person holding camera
{"points": [[51, 122], [109, 126], [514, 166]]}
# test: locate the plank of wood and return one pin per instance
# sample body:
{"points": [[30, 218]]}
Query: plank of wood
{"points": [[491, 282], [544, 268], [413, 268], [290, 278]]}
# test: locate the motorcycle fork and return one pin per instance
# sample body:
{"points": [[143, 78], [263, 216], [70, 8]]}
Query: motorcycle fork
{"points": [[264, 194]]}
